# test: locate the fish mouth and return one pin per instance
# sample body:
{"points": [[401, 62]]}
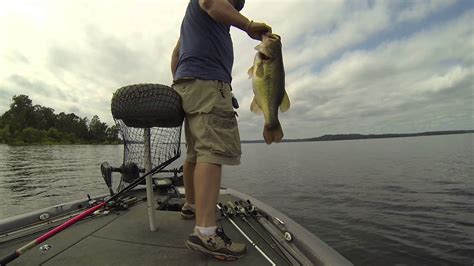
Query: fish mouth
{"points": [[273, 36]]}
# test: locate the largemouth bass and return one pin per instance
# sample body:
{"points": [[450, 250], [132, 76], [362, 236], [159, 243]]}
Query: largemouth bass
{"points": [[268, 81]]}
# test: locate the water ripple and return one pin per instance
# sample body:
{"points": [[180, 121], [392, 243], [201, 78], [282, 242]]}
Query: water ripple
{"points": [[378, 202]]}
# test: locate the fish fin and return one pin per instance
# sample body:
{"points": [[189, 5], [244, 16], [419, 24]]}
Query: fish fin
{"points": [[285, 103], [275, 135], [254, 107], [267, 135], [259, 72], [278, 135], [250, 72]]}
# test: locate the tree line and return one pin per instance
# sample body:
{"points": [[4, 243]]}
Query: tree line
{"points": [[25, 123]]}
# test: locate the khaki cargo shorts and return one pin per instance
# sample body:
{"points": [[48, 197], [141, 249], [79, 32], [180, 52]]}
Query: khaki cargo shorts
{"points": [[210, 126]]}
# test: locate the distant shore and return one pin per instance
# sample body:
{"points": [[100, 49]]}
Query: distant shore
{"points": [[369, 136]]}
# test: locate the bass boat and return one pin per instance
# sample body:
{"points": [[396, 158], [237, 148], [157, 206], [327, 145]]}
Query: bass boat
{"points": [[139, 222]]}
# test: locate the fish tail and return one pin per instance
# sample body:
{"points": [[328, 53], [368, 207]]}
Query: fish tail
{"points": [[272, 135]]}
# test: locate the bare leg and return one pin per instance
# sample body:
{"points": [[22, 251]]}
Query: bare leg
{"points": [[188, 174], [207, 182]]}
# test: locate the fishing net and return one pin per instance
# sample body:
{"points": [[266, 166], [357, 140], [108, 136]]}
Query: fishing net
{"points": [[138, 107], [164, 144]]}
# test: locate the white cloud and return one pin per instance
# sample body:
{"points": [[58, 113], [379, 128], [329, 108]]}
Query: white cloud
{"points": [[421, 9], [397, 76], [86, 48], [445, 81], [348, 68]]}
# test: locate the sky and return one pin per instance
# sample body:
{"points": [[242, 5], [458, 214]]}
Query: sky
{"points": [[393, 66]]}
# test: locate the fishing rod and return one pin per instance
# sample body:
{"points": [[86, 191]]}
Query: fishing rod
{"points": [[20, 251], [225, 212], [242, 213], [279, 224], [254, 213]]}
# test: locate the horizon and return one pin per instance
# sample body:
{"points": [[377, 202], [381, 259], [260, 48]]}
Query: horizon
{"points": [[376, 136], [374, 67], [446, 132]]}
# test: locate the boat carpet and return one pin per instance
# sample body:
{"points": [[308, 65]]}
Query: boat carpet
{"points": [[125, 239]]}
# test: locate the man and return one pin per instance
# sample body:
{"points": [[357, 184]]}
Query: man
{"points": [[202, 65]]}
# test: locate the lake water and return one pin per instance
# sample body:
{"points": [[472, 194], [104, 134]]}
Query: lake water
{"points": [[402, 201]]}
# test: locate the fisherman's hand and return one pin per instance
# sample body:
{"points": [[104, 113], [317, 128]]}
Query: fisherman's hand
{"points": [[256, 29]]}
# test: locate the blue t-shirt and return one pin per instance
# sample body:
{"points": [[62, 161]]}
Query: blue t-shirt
{"points": [[205, 47]]}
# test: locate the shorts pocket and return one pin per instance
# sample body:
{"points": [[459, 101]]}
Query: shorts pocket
{"points": [[223, 133]]}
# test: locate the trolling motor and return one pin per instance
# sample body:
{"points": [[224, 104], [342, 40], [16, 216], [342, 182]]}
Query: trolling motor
{"points": [[166, 185], [106, 169], [130, 172]]}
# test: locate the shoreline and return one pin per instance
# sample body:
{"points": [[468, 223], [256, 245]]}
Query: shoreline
{"points": [[338, 137]]}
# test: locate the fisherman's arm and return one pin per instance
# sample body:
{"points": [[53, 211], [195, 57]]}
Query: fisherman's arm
{"points": [[222, 11], [175, 58]]}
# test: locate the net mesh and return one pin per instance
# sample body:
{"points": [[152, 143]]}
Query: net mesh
{"points": [[164, 144]]}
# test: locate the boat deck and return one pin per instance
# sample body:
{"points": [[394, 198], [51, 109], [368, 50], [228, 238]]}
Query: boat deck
{"points": [[125, 239]]}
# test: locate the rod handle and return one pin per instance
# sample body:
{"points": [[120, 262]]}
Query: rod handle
{"points": [[231, 205], [9, 258]]}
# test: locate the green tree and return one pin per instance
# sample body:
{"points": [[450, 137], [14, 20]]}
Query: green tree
{"points": [[31, 135], [5, 136], [28, 123], [97, 129], [20, 114], [44, 117], [54, 134], [72, 124], [112, 134]]}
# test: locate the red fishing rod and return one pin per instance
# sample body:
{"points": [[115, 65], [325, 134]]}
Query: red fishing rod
{"points": [[20, 251]]}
